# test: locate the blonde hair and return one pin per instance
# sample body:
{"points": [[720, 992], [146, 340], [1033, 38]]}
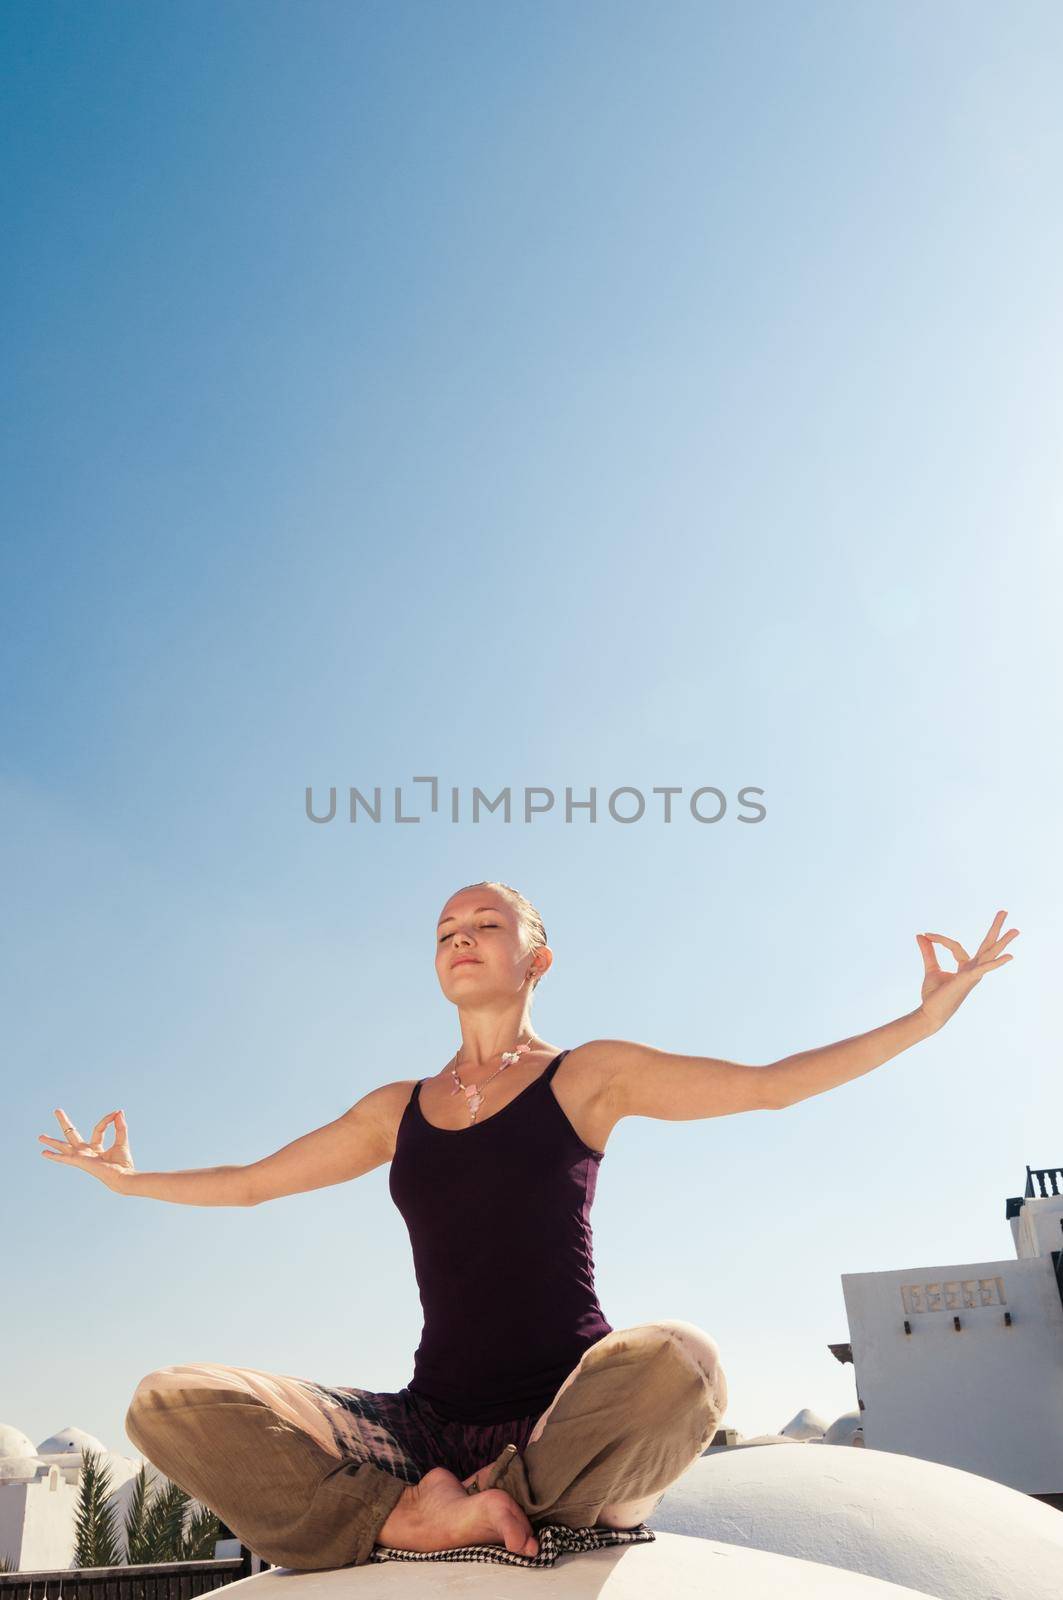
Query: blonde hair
{"points": [[529, 921]]}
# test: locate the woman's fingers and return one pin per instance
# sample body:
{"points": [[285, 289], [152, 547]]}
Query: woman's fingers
{"points": [[68, 1127], [75, 1151], [73, 1137], [994, 928], [990, 945], [97, 1132], [63, 1148], [952, 945]]}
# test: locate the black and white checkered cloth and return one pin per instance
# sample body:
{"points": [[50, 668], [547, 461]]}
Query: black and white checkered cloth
{"points": [[554, 1541]]}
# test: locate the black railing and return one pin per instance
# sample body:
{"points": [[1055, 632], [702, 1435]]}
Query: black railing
{"points": [[161, 1580], [1051, 1174]]}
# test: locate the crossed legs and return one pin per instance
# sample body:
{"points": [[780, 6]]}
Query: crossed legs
{"points": [[632, 1416], [308, 1482], [301, 1479]]}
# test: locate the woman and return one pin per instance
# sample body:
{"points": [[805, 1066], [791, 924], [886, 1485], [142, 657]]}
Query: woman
{"points": [[525, 1405]]}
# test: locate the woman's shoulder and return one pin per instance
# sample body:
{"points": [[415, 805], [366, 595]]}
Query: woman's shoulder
{"points": [[589, 1069], [386, 1104], [594, 1058], [601, 1069], [584, 1085]]}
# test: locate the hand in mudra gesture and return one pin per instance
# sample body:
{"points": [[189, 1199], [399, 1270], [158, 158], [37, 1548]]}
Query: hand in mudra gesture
{"points": [[90, 1155], [943, 991]]}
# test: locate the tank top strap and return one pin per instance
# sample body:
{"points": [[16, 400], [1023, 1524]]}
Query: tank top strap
{"points": [[555, 1063]]}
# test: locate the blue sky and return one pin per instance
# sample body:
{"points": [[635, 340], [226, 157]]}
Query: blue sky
{"points": [[550, 395]]}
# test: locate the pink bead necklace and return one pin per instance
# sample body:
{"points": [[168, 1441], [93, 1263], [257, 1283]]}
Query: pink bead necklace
{"points": [[474, 1093]]}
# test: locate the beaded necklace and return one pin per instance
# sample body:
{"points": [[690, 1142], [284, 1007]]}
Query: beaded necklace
{"points": [[473, 1092]]}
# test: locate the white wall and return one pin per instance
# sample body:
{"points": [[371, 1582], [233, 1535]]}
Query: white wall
{"points": [[50, 1509], [12, 1516], [1039, 1226], [988, 1399], [38, 1515]]}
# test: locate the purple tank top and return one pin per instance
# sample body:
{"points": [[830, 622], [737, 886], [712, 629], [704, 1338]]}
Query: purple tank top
{"points": [[498, 1215]]}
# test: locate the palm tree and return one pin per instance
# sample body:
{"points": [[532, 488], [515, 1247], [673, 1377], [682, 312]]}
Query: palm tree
{"points": [[158, 1526], [160, 1529], [95, 1533]]}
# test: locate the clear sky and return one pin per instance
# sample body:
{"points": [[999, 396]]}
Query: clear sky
{"points": [[554, 395]]}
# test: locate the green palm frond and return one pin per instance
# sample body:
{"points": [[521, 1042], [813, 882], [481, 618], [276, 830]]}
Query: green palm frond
{"points": [[165, 1521], [202, 1534], [96, 1542], [138, 1547], [162, 1521]]}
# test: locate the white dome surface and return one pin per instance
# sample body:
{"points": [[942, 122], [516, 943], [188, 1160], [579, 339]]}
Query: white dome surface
{"points": [[934, 1528], [69, 1442], [806, 1425], [13, 1442], [20, 1469], [846, 1429], [758, 1438], [672, 1566]]}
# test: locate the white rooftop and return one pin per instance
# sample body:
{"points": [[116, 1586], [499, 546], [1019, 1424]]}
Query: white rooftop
{"points": [[806, 1520], [672, 1567]]}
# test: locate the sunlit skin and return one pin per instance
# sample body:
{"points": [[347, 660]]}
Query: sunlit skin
{"points": [[492, 993], [492, 990]]}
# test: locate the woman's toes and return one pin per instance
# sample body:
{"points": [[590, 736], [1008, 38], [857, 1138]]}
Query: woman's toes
{"points": [[509, 1522]]}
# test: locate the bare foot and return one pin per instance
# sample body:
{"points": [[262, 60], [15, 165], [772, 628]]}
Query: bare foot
{"points": [[437, 1514]]}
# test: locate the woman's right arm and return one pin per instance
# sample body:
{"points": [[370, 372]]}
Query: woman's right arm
{"points": [[356, 1142], [196, 1186]]}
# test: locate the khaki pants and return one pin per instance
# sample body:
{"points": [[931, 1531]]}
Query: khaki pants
{"points": [[306, 1476]]}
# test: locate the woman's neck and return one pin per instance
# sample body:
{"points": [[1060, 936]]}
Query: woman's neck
{"points": [[484, 1038]]}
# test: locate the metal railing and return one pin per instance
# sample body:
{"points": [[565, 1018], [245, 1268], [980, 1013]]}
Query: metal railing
{"points": [[1052, 1174], [160, 1580]]}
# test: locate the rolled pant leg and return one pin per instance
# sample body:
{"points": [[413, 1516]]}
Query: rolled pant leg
{"points": [[301, 1479], [637, 1411]]}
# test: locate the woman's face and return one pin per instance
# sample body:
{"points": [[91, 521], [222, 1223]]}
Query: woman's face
{"points": [[479, 951]]}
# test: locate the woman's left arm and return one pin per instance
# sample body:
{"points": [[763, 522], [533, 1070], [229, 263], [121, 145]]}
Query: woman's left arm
{"points": [[653, 1083]]}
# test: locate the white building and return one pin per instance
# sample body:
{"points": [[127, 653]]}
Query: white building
{"points": [[962, 1363], [39, 1488]]}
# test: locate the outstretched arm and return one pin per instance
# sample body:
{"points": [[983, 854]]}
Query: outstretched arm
{"points": [[653, 1083], [354, 1143], [810, 1072]]}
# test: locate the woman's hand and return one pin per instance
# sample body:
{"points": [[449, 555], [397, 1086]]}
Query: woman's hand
{"points": [[943, 992], [110, 1166]]}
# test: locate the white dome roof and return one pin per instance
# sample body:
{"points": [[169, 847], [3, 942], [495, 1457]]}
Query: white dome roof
{"points": [[69, 1442], [758, 1439], [671, 1566], [806, 1425], [953, 1534], [21, 1469], [846, 1429], [13, 1442]]}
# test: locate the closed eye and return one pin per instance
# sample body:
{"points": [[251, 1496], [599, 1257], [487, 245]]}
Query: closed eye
{"points": [[447, 936]]}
